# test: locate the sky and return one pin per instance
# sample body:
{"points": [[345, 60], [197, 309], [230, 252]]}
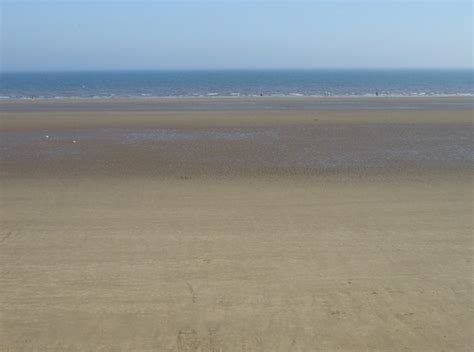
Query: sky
{"points": [[62, 35]]}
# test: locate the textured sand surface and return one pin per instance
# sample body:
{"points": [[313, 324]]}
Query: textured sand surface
{"points": [[236, 231]]}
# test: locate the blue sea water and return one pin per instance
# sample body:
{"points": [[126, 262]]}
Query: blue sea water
{"points": [[228, 83]]}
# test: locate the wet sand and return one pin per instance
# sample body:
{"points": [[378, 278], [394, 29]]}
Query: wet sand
{"points": [[236, 230], [237, 103]]}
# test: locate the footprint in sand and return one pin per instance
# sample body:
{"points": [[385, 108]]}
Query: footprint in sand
{"points": [[187, 340]]}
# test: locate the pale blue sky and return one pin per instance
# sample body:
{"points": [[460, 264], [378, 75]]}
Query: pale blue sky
{"points": [[108, 34]]}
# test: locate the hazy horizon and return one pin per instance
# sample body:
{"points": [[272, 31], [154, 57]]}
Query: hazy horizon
{"points": [[133, 70], [73, 36]]}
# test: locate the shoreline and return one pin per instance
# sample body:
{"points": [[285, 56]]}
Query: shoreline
{"points": [[236, 103], [247, 97]]}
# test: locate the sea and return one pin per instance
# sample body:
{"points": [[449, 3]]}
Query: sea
{"points": [[236, 83]]}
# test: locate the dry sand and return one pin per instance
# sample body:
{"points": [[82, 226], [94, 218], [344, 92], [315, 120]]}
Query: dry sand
{"points": [[236, 231]]}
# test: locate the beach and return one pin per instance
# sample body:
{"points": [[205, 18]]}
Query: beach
{"points": [[278, 226]]}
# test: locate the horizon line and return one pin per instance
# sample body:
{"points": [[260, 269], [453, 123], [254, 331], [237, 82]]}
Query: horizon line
{"points": [[240, 69]]}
